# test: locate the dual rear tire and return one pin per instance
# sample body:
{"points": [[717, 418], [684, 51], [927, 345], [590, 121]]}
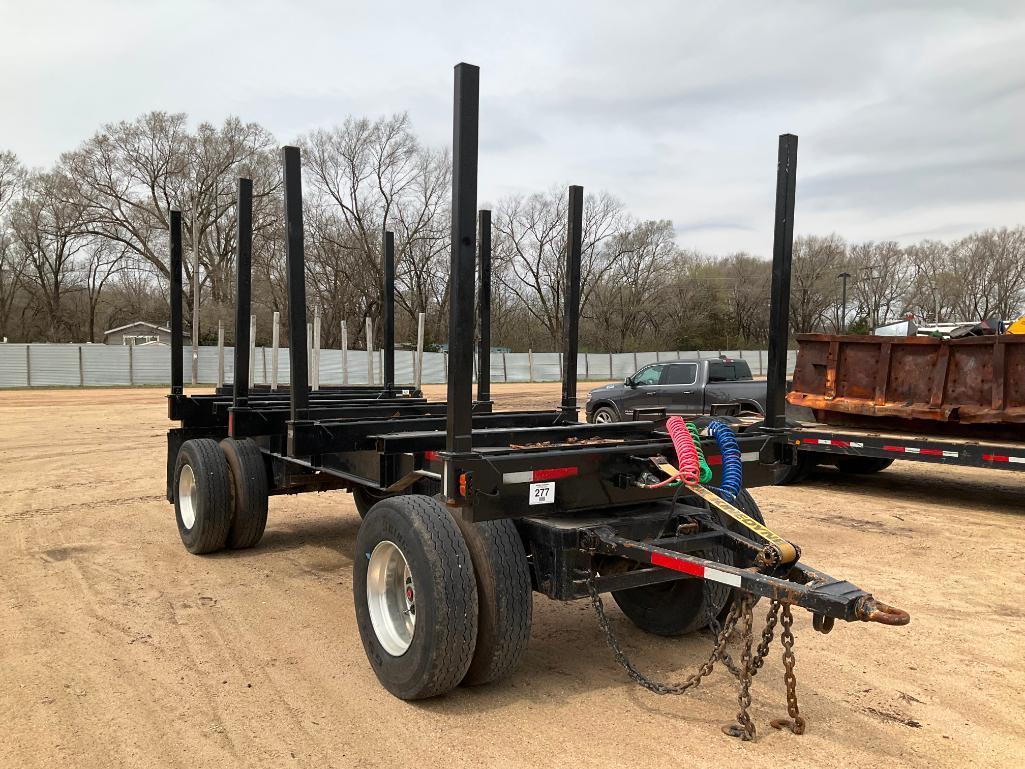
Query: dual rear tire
{"points": [[221, 492], [439, 602]]}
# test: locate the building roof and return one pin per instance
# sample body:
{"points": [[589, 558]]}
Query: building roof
{"points": [[137, 323]]}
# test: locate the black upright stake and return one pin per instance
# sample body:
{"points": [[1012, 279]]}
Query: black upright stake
{"points": [[484, 301], [779, 308], [459, 423], [296, 274], [571, 319], [388, 304], [243, 291], [177, 332]]}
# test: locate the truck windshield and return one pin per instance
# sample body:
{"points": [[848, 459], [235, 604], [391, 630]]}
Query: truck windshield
{"points": [[728, 371]]}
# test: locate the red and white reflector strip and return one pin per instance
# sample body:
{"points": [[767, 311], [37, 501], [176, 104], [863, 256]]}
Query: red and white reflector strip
{"points": [[695, 569], [916, 450], [1002, 458], [840, 444], [540, 476], [891, 448], [714, 460]]}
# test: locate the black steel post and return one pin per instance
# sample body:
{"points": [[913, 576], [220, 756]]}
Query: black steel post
{"points": [[459, 424], [388, 306], [177, 332], [296, 273], [571, 317], [484, 307], [779, 308], [243, 291]]}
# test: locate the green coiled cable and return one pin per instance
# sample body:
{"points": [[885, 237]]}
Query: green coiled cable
{"points": [[706, 471]]}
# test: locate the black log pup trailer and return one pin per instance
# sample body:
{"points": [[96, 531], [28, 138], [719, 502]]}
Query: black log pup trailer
{"points": [[467, 510]]}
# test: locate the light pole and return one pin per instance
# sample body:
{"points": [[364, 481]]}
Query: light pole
{"points": [[843, 312]]}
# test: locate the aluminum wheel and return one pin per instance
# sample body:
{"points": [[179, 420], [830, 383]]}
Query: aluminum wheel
{"points": [[391, 598], [602, 417], [186, 496]]}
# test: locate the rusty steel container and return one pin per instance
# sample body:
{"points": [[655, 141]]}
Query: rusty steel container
{"points": [[972, 386]]}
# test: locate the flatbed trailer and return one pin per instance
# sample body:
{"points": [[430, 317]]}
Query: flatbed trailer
{"points": [[467, 510], [828, 444], [861, 402]]}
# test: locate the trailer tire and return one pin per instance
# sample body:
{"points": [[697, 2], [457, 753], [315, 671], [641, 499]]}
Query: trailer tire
{"points": [[678, 607], [365, 498], [249, 492], [504, 598], [429, 654], [202, 496], [862, 465]]}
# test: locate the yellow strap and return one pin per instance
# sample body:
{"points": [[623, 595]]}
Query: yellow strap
{"points": [[787, 552]]}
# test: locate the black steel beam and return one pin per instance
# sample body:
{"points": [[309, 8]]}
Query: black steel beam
{"points": [[400, 442], [295, 257], [466, 104], [779, 306], [177, 332], [571, 320], [324, 437], [388, 306], [484, 306], [243, 291], [262, 421]]}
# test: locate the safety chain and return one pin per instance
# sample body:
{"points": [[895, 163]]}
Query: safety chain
{"points": [[796, 721], [744, 728], [651, 685], [740, 617]]}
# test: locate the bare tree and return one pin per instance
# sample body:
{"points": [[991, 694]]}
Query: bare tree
{"points": [[530, 248], [815, 287], [883, 277], [103, 260], [49, 229], [627, 304]]}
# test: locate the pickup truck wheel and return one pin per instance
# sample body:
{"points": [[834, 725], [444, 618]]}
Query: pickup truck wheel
{"points": [[202, 496], [415, 596], [504, 598], [604, 415], [249, 492], [862, 465]]}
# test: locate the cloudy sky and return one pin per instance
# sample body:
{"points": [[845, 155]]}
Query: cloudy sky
{"points": [[910, 115]]}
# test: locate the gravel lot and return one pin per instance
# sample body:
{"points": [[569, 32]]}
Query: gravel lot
{"points": [[119, 649]]}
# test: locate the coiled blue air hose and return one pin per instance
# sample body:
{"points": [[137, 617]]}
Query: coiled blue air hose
{"points": [[732, 462]]}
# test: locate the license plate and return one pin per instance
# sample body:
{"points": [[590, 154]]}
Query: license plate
{"points": [[542, 493]]}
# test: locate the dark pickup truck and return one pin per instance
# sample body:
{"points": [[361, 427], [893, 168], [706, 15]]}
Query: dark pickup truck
{"points": [[680, 387]]}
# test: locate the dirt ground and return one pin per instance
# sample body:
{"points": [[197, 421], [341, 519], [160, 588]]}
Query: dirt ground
{"points": [[119, 649]]}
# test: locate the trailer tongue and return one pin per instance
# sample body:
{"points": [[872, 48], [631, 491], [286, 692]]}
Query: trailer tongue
{"points": [[466, 510]]}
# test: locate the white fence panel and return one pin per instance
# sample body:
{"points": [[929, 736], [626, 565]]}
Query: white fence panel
{"points": [[151, 365], [59, 365], [14, 365], [106, 366], [54, 365]]}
